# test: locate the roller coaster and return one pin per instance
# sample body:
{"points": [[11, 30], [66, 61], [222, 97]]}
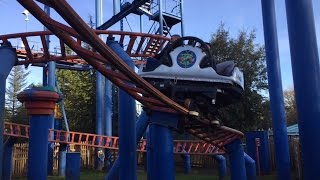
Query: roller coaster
{"points": [[201, 124]]}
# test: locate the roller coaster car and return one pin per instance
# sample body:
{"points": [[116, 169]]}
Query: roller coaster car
{"points": [[186, 72]]}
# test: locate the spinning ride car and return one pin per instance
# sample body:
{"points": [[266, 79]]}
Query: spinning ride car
{"points": [[187, 72]]}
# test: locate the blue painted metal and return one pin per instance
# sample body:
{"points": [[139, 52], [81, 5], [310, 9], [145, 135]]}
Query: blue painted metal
{"points": [[141, 126], [141, 24], [116, 6], [50, 150], [306, 78], [127, 121], [182, 19], [62, 160], [160, 148], [61, 104], [187, 163], [44, 77], [8, 58], [52, 83], [222, 166], [108, 116], [250, 167], [73, 166], [275, 90], [123, 13], [160, 17], [7, 159], [38, 147], [264, 149], [236, 157], [99, 91]]}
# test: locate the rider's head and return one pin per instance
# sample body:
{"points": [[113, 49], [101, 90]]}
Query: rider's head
{"points": [[175, 37]]}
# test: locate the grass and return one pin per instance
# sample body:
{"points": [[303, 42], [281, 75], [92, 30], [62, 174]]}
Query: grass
{"points": [[89, 175]]}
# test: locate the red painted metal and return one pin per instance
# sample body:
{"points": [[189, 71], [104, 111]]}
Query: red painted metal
{"points": [[42, 55], [110, 142]]}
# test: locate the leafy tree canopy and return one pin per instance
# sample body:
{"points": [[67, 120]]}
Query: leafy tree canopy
{"points": [[78, 89], [253, 111]]}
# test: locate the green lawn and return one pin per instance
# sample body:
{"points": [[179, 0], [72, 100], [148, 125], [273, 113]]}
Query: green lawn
{"points": [[97, 175]]}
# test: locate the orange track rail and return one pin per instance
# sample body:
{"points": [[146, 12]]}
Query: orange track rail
{"points": [[109, 142], [26, 55]]}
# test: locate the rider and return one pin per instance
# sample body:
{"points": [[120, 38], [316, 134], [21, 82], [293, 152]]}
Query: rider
{"points": [[154, 62]]}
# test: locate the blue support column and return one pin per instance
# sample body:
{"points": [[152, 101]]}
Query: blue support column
{"points": [[52, 83], [141, 126], [99, 91], [8, 57], [38, 148], [306, 78], [44, 77], [62, 151], [187, 163], [108, 117], [275, 90], [250, 167], [160, 17], [40, 105], [62, 160], [7, 159], [127, 121], [236, 157], [73, 166], [222, 166], [182, 18], [160, 146]]}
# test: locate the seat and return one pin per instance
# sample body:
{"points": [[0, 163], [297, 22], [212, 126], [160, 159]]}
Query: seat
{"points": [[152, 64], [225, 68]]}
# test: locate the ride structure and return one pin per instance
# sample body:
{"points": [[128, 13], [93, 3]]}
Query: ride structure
{"points": [[164, 113], [160, 106]]}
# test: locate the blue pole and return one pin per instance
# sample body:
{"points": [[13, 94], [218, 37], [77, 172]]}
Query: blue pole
{"points": [[236, 157], [40, 105], [127, 121], [73, 166], [306, 78], [99, 90], [62, 160], [250, 167], [38, 149], [275, 90], [141, 126], [8, 58], [160, 17], [182, 18], [222, 166], [160, 147], [52, 83], [44, 77], [7, 161], [108, 115], [187, 163]]}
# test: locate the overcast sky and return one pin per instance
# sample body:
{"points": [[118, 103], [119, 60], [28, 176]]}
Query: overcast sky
{"points": [[201, 19]]}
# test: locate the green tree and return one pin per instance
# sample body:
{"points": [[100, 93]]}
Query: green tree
{"points": [[78, 89], [253, 111], [17, 80], [290, 106]]}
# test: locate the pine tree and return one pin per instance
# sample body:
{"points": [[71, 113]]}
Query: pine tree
{"points": [[17, 80]]}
